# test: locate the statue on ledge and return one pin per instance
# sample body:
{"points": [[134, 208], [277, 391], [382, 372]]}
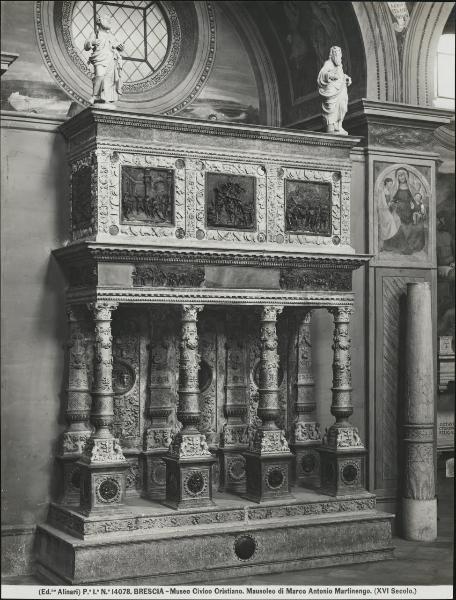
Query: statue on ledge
{"points": [[332, 86], [106, 60]]}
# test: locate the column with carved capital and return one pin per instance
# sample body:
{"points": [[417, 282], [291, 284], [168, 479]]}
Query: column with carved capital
{"points": [[342, 453], [102, 463], [419, 503], [268, 460], [305, 435], [77, 412], [189, 461], [158, 435], [233, 439]]}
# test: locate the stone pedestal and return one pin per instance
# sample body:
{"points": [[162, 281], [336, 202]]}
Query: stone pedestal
{"points": [[306, 436], [77, 414], [419, 504], [102, 465], [342, 454], [268, 461], [189, 461]]}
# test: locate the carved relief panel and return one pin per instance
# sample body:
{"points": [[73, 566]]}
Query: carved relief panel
{"points": [[177, 196]]}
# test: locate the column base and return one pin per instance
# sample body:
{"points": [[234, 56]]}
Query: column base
{"points": [[419, 519], [188, 481], [306, 465], [342, 470], [232, 470], [102, 486], [154, 469], [268, 476]]}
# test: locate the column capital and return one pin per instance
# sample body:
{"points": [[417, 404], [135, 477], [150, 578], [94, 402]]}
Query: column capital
{"points": [[270, 313], [190, 311], [102, 311], [341, 314]]}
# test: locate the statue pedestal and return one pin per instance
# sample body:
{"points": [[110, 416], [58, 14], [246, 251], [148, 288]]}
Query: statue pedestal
{"points": [[268, 476], [342, 471], [188, 481]]}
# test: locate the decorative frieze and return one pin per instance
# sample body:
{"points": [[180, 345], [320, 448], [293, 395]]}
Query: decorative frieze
{"points": [[184, 446], [157, 275], [311, 279]]}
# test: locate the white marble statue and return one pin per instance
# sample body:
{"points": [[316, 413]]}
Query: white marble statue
{"points": [[106, 60], [332, 86]]}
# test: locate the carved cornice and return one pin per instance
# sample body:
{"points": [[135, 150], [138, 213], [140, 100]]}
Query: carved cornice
{"points": [[93, 117], [89, 252]]}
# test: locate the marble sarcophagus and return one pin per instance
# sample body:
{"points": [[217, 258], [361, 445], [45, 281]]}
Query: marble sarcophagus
{"points": [[198, 251]]}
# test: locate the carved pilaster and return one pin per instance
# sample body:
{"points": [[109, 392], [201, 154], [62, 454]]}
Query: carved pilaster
{"points": [[269, 457], [189, 461], [102, 463], [234, 438], [77, 413], [158, 436], [342, 454], [306, 434]]}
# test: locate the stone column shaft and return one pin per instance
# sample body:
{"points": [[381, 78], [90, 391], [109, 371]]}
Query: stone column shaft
{"points": [[78, 394], [102, 446], [342, 454], [419, 502], [189, 441]]}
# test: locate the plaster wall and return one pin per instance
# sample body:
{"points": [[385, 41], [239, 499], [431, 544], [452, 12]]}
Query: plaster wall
{"points": [[34, 220]]}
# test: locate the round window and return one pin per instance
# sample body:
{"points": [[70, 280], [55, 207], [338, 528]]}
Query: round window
{"points": [[142, 28]]}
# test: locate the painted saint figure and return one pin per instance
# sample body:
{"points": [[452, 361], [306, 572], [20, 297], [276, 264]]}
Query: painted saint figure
{"points": [[332, 86], [106, 60], [404, 233]]}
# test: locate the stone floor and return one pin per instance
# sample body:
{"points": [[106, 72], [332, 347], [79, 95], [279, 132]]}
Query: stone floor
{"points": [[415, 563]]}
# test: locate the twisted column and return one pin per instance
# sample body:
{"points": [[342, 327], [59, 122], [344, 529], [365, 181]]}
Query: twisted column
{"points": [[419, 502], [79, 400]]}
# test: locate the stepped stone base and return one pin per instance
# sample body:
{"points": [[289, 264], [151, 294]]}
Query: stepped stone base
{"points": [[148, 543]]}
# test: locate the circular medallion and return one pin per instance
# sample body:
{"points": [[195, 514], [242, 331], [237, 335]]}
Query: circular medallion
{"points": [[109, 490], [180, 163], [199, 165], [336, 177], [308, 463], [123, 377], [261, 237], [113, 230], [336, 240], [280, 172], [245, 547], [180, 233], [349, 474], [261, 170], [275, 478], [195, 483], [236, 469], [200, 235], [168, 49], [280, 238]]}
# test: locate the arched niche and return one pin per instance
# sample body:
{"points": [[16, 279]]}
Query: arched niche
{"points": [[296, 39]]}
